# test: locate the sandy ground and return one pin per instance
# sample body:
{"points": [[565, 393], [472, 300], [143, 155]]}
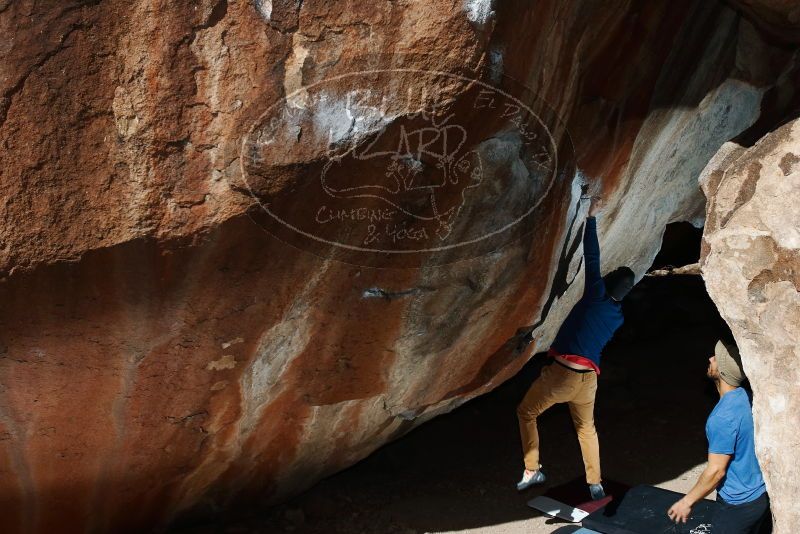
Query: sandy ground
{"points": [[458, 472]]}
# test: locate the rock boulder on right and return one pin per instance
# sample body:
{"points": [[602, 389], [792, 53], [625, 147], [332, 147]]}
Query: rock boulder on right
{"points": [[751, 266]]}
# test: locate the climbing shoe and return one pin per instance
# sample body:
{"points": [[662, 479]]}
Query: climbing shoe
{"points": [[597, 492], [530, 478]]}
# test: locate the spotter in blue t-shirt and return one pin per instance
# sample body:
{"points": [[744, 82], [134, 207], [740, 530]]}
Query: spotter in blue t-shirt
{"points": [[729, 430]]}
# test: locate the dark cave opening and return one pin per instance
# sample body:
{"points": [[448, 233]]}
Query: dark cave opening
{"points": [[680, 246], [458, 471]]}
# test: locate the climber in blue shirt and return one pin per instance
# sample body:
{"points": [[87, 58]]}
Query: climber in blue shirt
{"points": [[576, 355], [732, 464], [595, 318]]}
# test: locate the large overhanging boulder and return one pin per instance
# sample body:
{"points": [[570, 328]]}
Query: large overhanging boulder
{"points": [[751, 265], [161, 351]]}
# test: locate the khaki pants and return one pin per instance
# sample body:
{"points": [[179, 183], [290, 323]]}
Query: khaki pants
{"points": [[559, 384]]}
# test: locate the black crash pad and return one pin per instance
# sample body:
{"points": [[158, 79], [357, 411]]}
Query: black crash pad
{"points": [[576, 493], [643, 510]]}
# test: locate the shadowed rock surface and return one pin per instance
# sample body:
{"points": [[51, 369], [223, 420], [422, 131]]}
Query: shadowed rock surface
{"points": [[161, 353]]}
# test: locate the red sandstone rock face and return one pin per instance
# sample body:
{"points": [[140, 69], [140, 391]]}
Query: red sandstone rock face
{"points": [[161, 351], [750, 265]]}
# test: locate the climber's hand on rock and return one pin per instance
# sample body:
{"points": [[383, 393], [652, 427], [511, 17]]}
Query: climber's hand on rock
{"points": [[596, 205]]}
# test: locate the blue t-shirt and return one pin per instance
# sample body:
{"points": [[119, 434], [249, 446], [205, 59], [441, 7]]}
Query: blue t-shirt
{"points": [[595, 318], [729, 430]]}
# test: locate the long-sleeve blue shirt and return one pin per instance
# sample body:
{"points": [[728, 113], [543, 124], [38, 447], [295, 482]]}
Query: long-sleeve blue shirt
{"points": [[595, 318]]}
